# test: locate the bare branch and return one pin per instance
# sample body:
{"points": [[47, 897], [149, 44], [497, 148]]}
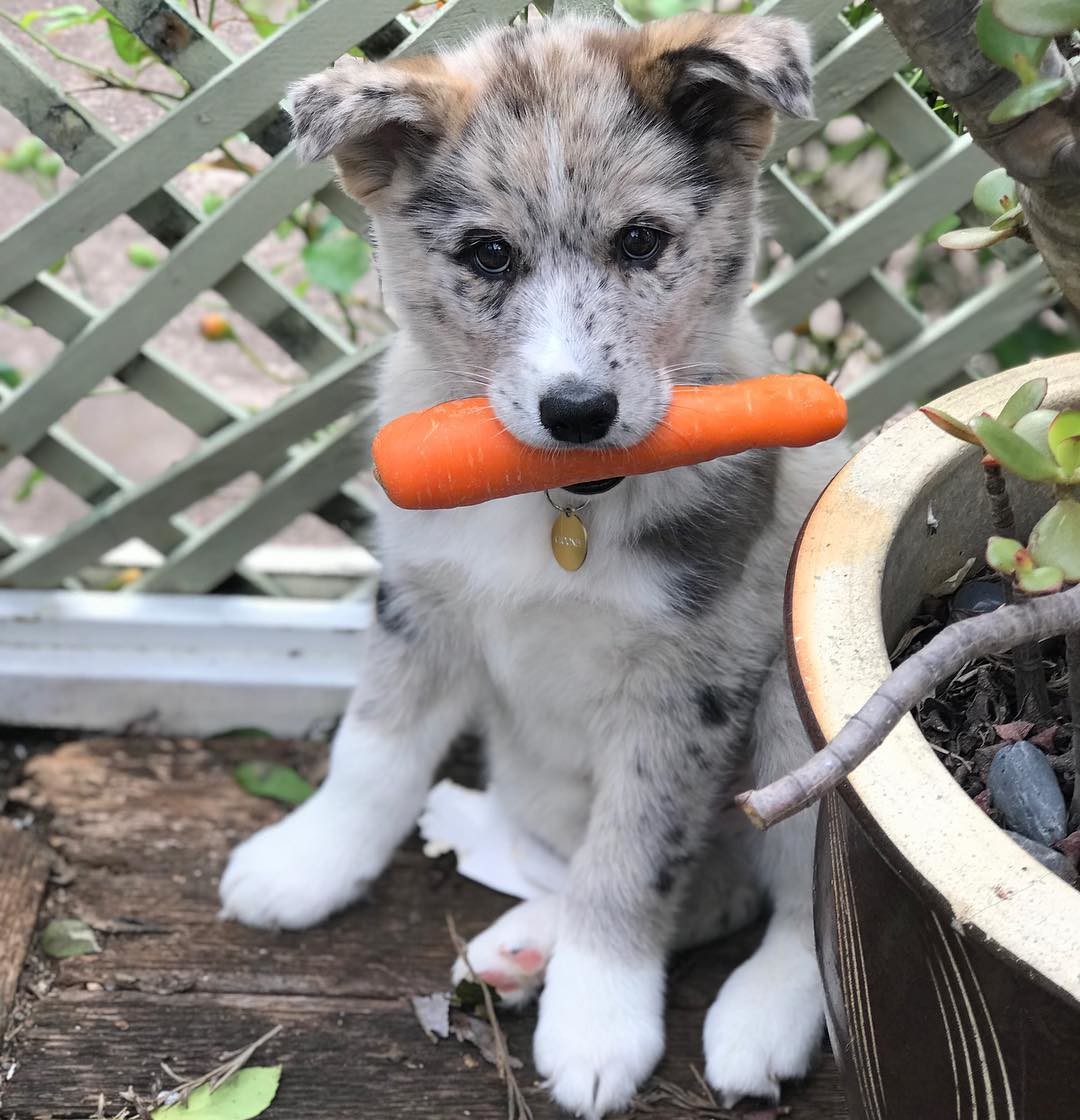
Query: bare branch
{"points": [[1030, 621]]}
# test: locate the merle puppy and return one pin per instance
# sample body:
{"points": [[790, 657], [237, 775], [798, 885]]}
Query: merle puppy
{"points": [[566, 219]]}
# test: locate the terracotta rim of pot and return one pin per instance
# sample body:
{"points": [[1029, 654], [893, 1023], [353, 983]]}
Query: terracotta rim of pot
{"points": [[902, 794]]}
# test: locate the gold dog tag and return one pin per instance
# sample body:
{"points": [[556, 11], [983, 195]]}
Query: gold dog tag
{"points": [[569, 541]]}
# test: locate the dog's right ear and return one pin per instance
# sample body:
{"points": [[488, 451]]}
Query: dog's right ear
{"points": [[373, 117]]}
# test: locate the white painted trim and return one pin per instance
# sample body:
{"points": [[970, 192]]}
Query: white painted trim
{"points": [[176, 664]]}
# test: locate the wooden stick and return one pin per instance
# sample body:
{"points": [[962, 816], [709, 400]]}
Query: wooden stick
{"points": [[1030, 621]]}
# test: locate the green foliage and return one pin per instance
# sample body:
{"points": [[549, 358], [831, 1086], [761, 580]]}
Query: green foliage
{"points": [[1016, 34], [245, 1095], [1029, 97], [68, 937], [995, 193], [337, 260], [1039, 17], [278, 783], [29, 484], [142, 255], [1013, 452], [1055, 540]]}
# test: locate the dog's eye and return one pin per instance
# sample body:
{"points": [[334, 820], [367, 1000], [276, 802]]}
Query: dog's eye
{"points": [[492, 256], [639, 244]]}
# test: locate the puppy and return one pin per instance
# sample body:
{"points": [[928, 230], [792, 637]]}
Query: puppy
{"points": [[565, 214]]}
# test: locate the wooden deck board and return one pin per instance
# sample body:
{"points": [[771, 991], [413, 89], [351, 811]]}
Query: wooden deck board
{"points": [[145, 827]]}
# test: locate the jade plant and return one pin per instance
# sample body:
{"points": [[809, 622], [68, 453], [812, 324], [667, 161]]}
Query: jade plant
{"points": [[1042, 580], [1016, 35]]}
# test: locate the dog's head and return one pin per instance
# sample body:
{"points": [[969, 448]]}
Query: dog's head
{"points": [[565, 210]]}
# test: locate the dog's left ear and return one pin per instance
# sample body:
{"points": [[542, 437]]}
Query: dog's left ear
{"points": [[722, 78]]}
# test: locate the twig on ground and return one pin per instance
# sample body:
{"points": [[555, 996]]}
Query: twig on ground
{"points": [[1005, 628], [231, 1064], [517, 1107]]}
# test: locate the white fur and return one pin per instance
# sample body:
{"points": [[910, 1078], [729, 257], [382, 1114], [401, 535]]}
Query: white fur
{"points": [[620, 704]]}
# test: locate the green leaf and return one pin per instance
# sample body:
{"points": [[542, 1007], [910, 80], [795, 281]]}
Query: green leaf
{"points": [[1055, 540], [1027, 398], [212, 202], [30, 17], [1028, 98], [1001, 553], [1041, 17], [68, 15], [10, 376], [29, 484], [977, 237], [68, 937], [1040, 581], [279, 783], [1014, 453], [1022, 54], [337, 263], [956, 428], [1063, 438], [995, 192], [130, 49], [1034, 428], [25, 152], [142, 256], [48, 164], [1011, 219], [245, 1095]]}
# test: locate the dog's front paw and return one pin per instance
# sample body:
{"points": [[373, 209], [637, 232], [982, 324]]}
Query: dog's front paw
{"points": [[299, 871], [511, 955], [601, 1029], [766, 1024]]}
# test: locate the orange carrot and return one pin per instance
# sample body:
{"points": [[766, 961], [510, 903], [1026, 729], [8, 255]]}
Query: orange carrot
{"points": [[459, 454]]}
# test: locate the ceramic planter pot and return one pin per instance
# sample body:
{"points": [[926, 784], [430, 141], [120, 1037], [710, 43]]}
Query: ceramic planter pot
{"points": [[951, 959]]}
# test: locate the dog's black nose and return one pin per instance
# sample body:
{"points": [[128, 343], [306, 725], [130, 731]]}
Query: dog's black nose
{"points": [[578, 414]]}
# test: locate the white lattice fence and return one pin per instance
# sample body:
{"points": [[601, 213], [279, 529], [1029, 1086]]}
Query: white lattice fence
{"points": [[310, 444]]}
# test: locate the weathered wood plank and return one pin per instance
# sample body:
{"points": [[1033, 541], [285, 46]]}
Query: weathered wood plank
{"points": [[912, 128], [859, 64], [838, 262], [350, 1044], [872, 302], [330, 395], [304, 482], [113, 338], [915, 372], [231, 100], [24, 871], [822, 17], [64, 314]]}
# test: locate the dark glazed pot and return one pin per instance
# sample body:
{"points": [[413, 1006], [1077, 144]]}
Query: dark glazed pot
{"points": [[951, 959]]}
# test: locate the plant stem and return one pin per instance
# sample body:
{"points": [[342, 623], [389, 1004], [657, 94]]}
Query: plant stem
{"points": [[109, 77], [1029, 621], [1072, 653], [1032, 696]]}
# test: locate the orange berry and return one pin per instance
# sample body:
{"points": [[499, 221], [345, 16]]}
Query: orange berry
{"points": [[215, 327]]}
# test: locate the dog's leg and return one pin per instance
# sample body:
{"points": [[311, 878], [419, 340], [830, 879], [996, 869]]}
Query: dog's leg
{"points": [[512, 954], [411, 702], [601, 1029], [766, 1024]]}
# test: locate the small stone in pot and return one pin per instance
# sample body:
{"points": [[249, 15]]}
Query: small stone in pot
{"points": [[979, 596], [1024, 789]]}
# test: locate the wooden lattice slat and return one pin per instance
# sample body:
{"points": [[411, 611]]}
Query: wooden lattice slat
{"points": [[855, 72]]}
